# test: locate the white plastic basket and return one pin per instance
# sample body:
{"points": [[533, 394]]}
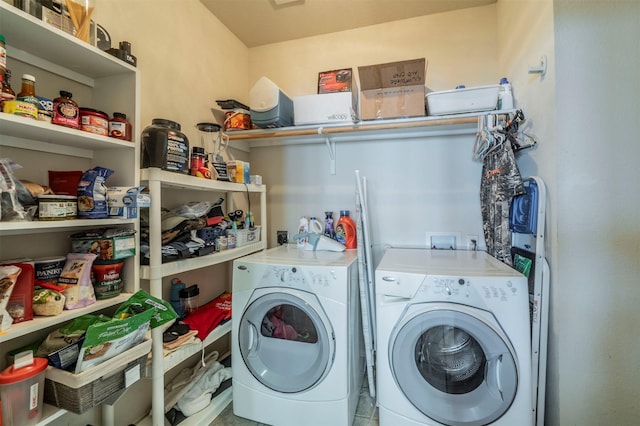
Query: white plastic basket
{"points": [[80, 392], [245, 236]]}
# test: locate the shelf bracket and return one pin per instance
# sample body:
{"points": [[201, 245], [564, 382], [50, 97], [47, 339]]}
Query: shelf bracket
{"points": [[331, 146]]}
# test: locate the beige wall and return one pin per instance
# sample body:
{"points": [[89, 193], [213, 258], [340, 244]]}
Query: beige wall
{"points": [[187, 58], [458, 46]]}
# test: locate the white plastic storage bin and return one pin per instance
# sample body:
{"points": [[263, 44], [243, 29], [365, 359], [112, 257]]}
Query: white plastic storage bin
{"points": [[460, 101], [80, 392]]}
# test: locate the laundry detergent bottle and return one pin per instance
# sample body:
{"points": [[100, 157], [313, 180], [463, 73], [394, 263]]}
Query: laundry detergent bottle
{"points": [[303, 228], [346, 230], [315, 227], [329, 229]]}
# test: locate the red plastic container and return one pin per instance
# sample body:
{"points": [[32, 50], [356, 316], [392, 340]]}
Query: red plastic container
{"points": [[22, 392]]}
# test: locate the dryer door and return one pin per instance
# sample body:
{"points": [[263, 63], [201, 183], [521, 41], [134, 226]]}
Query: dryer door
{"points": [[453, 363], [286, 339]]}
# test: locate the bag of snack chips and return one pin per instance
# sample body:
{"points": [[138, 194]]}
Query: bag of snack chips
{"points": [[75, 278]]}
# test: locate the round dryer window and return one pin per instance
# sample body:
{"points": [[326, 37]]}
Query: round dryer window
{"points": [[455, 367], [286, 340]]}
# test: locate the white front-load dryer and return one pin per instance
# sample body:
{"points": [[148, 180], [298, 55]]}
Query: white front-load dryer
{"points": [[453, 340], [297, 354]]}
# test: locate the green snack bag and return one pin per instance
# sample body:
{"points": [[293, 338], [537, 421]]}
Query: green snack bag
{"points": [[142, 301], [105, 340]]}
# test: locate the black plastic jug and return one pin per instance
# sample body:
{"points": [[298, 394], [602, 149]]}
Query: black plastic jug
{"points": [[165, 146]]}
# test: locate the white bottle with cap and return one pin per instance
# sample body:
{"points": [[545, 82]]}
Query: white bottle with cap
{"points": [[505, 95], [303, 227], [315, 227]]}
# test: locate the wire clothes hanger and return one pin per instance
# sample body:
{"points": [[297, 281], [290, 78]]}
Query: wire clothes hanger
{"points": [[491, 136]]}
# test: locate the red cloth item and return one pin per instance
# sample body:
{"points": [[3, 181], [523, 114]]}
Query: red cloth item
{"points": [[282, 330], [209, 316]]}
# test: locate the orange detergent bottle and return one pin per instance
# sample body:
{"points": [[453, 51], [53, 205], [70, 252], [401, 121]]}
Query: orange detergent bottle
{"points": [[346, 230]]}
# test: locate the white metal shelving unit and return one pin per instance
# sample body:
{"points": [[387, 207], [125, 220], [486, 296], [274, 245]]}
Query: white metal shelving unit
{"points": [[59, 61], [159, 181]]}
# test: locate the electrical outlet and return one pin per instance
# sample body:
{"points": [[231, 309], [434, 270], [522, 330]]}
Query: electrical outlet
{"points": [[282, 237], [472, 242], [443, 240]]}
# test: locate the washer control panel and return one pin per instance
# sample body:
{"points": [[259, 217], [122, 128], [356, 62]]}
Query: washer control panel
{"points": [[468, 290]]}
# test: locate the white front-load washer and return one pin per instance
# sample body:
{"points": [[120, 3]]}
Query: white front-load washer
{"points": [[297, 356], [453, 340]]}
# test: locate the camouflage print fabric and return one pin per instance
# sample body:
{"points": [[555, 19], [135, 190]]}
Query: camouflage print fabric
{"points": [[500, 182]]}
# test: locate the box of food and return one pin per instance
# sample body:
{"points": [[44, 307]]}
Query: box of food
{"points": [[392, 90], [108, 244], [463, 100], [123, 202], [239, 171], [335, 81], [326, 108]]}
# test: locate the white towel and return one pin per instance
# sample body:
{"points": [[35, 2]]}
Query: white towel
{"points": [[198, 396]]}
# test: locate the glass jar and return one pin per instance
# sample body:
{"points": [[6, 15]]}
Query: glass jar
{"points": [[119, 127], [82, 13], [66, 111], [7, 93], [28, 90]]}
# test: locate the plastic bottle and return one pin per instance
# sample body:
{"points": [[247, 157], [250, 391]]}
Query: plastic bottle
{"points": [[176, 303], [505, 95], [315, 226], [329, 230], [303, 226], [346, 230], [28, 90], [197, 161], [165, 146], [65, 111]]}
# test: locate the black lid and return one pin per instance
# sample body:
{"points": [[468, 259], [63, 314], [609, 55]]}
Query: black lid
{"points": [[167, 123], [197, 150], [120, 115], [208, 127], [66, 94], [190, 291]]}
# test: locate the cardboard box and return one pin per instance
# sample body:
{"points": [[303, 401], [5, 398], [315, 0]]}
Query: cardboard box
{"points": [[239, 171], [335, 81], [392, 90], [340, 107], [123, 202]]}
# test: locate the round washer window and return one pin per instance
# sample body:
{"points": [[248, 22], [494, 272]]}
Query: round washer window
{"points": [[453, 367]]}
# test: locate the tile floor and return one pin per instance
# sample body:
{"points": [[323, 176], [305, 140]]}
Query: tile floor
{"points": [[366, 413]]}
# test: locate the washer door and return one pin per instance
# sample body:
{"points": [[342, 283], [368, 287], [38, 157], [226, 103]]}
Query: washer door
{"points": [[454, 364], [286, 339]]}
